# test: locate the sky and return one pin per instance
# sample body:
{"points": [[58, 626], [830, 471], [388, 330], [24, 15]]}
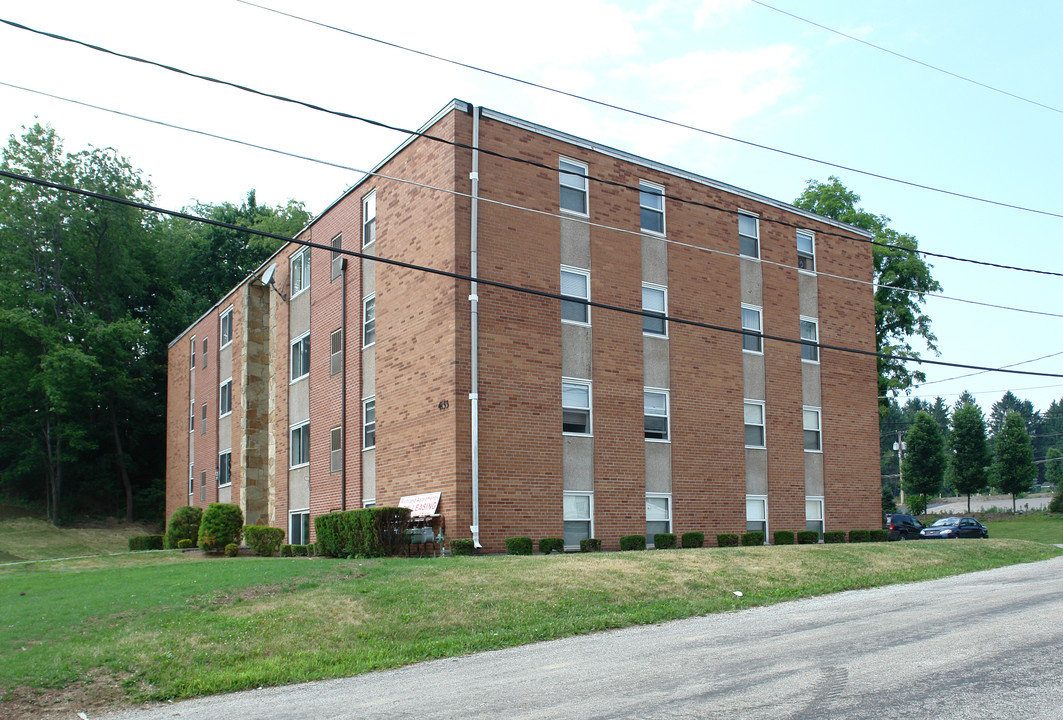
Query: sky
{"points": [[731, 67]]}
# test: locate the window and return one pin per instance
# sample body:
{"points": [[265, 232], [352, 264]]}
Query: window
{"points": [[191, 416], [369, 219], [191, 480], [757, 514], [658, 515], [203, 485], [300, 271], [810, 332], [576, 407], [337, 257], [299, 527], [225, 468], [751, 324], [300, 445], [573, 177], [754, 418], [301, 357], [336, 358], [225, 398], [203, 423], [806, 251], [748, 236], [813, 441], [369, 502], [204, 352], [369, 423], [654, 300], [575, 284], [578, 513], [651, 207], [369, 321], [655, 413], [814, 515], [335, 450], [226, 327], [192, 351]]}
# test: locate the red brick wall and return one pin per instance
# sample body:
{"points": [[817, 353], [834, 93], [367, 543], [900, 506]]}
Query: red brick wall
{"points": [[177, 426]]}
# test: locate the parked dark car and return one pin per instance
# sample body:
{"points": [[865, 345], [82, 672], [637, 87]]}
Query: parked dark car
{"points": [[903, 527], [955, 527]]}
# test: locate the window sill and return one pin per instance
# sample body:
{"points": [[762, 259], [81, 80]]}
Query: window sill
{"points": [[225, 345], [756, 447], [366, 347], [660, 336], [295, 295], [658, 440], [300, 465], [575, 434], [371, 447], [816, 452], [654, 233], [575, 322], [810, 362], [299, 379], [806, 272], [754, 258], [752, 352], [225, 415], [228, 484], [573, 213]]}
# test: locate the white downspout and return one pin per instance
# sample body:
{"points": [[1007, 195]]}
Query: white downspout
{"points": [[474, 332]]}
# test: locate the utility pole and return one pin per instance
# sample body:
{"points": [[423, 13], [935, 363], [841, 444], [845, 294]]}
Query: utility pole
{"points": [[899, 447]]}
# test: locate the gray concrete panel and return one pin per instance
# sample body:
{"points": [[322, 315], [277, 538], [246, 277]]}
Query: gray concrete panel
{"points": [[299, 488], [576, 351], [225, 432], [814, 474], [753, 376], [225, 361], [575, 243], [808, 288], [299, 401], [658, 467], [756, 471], [368, 277], [654, 260], [369, 371], [810, 384], [225, 494], [299, 321], [369, 473], [578, 463], [655, 362], [752, 282]]}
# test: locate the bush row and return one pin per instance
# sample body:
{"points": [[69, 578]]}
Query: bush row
{"points": [[146, 542], [368, 532], [668, 541]]}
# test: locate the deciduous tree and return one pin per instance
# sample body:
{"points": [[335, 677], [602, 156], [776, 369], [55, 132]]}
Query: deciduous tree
{"points": [[924, 458], [969, 451], [1014, 466]]}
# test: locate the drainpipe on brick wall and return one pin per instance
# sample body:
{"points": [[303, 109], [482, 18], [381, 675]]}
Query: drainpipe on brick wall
{"points": [[474, 337], [343, 384]]}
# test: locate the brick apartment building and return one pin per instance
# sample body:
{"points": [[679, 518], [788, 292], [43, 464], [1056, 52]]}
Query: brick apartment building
{"points": [[326, 381]]}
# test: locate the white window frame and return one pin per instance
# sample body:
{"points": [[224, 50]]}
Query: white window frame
{"points": [[657, 495], [667, 413], [302, 258], [809, 349], [366, 423], [578, 382], [225, 390], [335, 356], [226, 333], [586, 275], [755, 237], [192, 416], [368, 323], [818, 429], [369, 219], [801, 255], [647, 188], [292, 514], [229, 473], [203, 419], [564, 181], [292, 460], [822, 514], [589, 519], [335, 448], [369, 502], [747, 402], [191, 479], [664, 311], [205, 356], [758, 338], [337, 257], [305, 337], [762, 500], [192, 351]]}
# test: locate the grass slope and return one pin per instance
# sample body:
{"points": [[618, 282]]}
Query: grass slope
{"points": [[30, 538]]}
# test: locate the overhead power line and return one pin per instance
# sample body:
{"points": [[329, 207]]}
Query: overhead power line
{"points": [[960, 377], [649, 116], [499, 203], [902, 56], [494, 283], [466, 146]]}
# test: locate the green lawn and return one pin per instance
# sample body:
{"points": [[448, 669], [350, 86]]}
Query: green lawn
{"points": [[1037, 527], [172, 625]]}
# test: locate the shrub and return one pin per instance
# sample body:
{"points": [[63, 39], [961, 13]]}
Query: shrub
{"points": [[727, 539], [222, 523], [368, 532], [590, 545], [232, 550], [462, 546], [809, 537], [633, 542], [299, 550], [184, 524], [263, 540], [664, 541], [834, 536], [286, 550], [859, 536], [311, 549], [783, 537], [880, 535], [519, 546], [692, 539], [548, 545], [1056, 505], [750, 539], [146, 542], [185, 543]]}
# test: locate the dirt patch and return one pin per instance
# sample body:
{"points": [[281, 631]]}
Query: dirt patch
{"points": [[95, 693]]}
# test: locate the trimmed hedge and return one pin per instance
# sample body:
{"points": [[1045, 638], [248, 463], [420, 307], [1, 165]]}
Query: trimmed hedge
{"points": [[299, 550], [751, 539], [232, 550], [859, 536], [590, 545], [222, 523], [834, 536], [368, 532], [664, 541], [783, 537], [146, 542], [633, 542], [548, 545], [183, 525], [808, 537], [185, 543], [727, 539], [880, 535], [262, 539], [286, 550], [692, 539], [519, 546], [461, 546]]}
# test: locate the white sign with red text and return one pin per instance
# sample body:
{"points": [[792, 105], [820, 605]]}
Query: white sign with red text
{"points": [[421, 505]]}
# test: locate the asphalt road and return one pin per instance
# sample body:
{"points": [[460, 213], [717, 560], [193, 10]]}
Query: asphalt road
{"points": [[983, 645]]}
